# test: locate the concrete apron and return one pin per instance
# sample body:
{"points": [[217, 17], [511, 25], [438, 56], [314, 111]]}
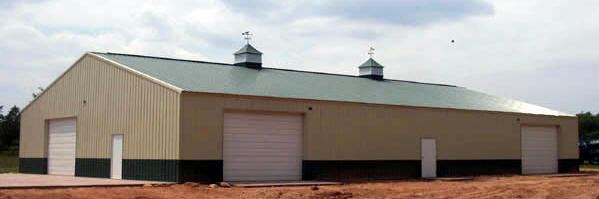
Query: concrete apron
{"points": [[25, 181]]}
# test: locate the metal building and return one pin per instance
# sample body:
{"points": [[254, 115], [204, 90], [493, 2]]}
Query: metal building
{"points": [[149, 118]]}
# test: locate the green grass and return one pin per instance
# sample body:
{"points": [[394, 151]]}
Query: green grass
{"points": [[9, 170], [586, 165], [9, 162]]}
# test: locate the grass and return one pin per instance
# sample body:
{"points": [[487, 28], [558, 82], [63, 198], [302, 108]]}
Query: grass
{"points": [[586, 165], [9, 170], [9, 162]]}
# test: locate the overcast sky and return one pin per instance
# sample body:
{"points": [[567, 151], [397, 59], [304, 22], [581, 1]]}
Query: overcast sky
{"points": [[541, 52]]}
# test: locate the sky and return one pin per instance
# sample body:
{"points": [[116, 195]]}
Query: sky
{"points": [[541, 52]]}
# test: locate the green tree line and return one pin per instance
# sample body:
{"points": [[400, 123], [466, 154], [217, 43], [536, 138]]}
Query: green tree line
{"points": [[10, 125], [588, 126]]}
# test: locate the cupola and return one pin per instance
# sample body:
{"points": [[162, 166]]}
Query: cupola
{"points": [[248, 56], [371, 69]]}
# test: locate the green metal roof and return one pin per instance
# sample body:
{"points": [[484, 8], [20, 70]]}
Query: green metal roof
{"points": [[371, 63], [248, 49], [197, 76]]}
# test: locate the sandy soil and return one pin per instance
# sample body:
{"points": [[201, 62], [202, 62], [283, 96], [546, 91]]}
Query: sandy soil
{"points": [[481, 187]]}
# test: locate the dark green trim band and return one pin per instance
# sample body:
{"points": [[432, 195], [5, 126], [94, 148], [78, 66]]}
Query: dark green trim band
{"points": [[152, 170], [173, 170], [568, 165], [359, 169], [92, 167], [212, 170], [33, 165], [446, 168], [205, 171]]}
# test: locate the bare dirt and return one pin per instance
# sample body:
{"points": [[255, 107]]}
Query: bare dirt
{"points": [[480, 187]]}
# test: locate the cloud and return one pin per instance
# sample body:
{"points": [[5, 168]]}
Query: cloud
{"points": [[398, 12], [566, 86]]}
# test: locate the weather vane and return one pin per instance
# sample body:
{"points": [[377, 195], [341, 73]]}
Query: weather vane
{"points": [[247, 36], [371, 51]]}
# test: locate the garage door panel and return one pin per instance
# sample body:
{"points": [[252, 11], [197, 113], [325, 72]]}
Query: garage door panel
{"points": [[277, 132], [539, 150], [285, 125], [261, 177], [272, 167], [261, 174], [262, 147], [290, 160], [264, 152], [62, 146], [272, 130], [262, 138]]}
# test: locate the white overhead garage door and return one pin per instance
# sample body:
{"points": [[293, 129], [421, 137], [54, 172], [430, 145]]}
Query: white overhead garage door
{"points": [[262, 147], [61, 146], [539, 150]]}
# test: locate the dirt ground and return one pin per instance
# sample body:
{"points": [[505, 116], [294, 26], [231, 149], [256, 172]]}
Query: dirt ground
{"points": [[480, 187]]}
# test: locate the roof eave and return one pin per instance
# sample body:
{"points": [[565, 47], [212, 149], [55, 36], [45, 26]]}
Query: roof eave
{"points": [[399, 105]]}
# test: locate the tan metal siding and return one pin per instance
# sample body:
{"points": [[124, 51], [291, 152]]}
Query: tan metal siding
{"points": [[117, 101], [353, 131]]}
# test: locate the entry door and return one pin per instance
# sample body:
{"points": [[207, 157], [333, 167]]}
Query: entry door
{"points": [[539, 150], [62, 139], [262, 147], [116, 162], [429, 158]]}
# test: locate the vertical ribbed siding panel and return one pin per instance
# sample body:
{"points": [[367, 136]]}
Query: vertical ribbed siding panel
{"points": [[117, 101]]}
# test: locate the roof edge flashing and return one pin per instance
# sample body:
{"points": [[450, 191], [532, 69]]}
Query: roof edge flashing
{"points": [[129, 69]]}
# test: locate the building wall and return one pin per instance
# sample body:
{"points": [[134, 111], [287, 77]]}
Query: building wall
{"points": [[105, 99], [355, 133]]}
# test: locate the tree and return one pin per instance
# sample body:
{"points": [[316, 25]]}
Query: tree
{"points": [[588, 126], [10, 125], [2, 147]]}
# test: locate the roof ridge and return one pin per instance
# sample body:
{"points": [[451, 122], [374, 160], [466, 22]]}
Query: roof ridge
{"points": [[165, 58], [282, 69], [337, 74]]}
